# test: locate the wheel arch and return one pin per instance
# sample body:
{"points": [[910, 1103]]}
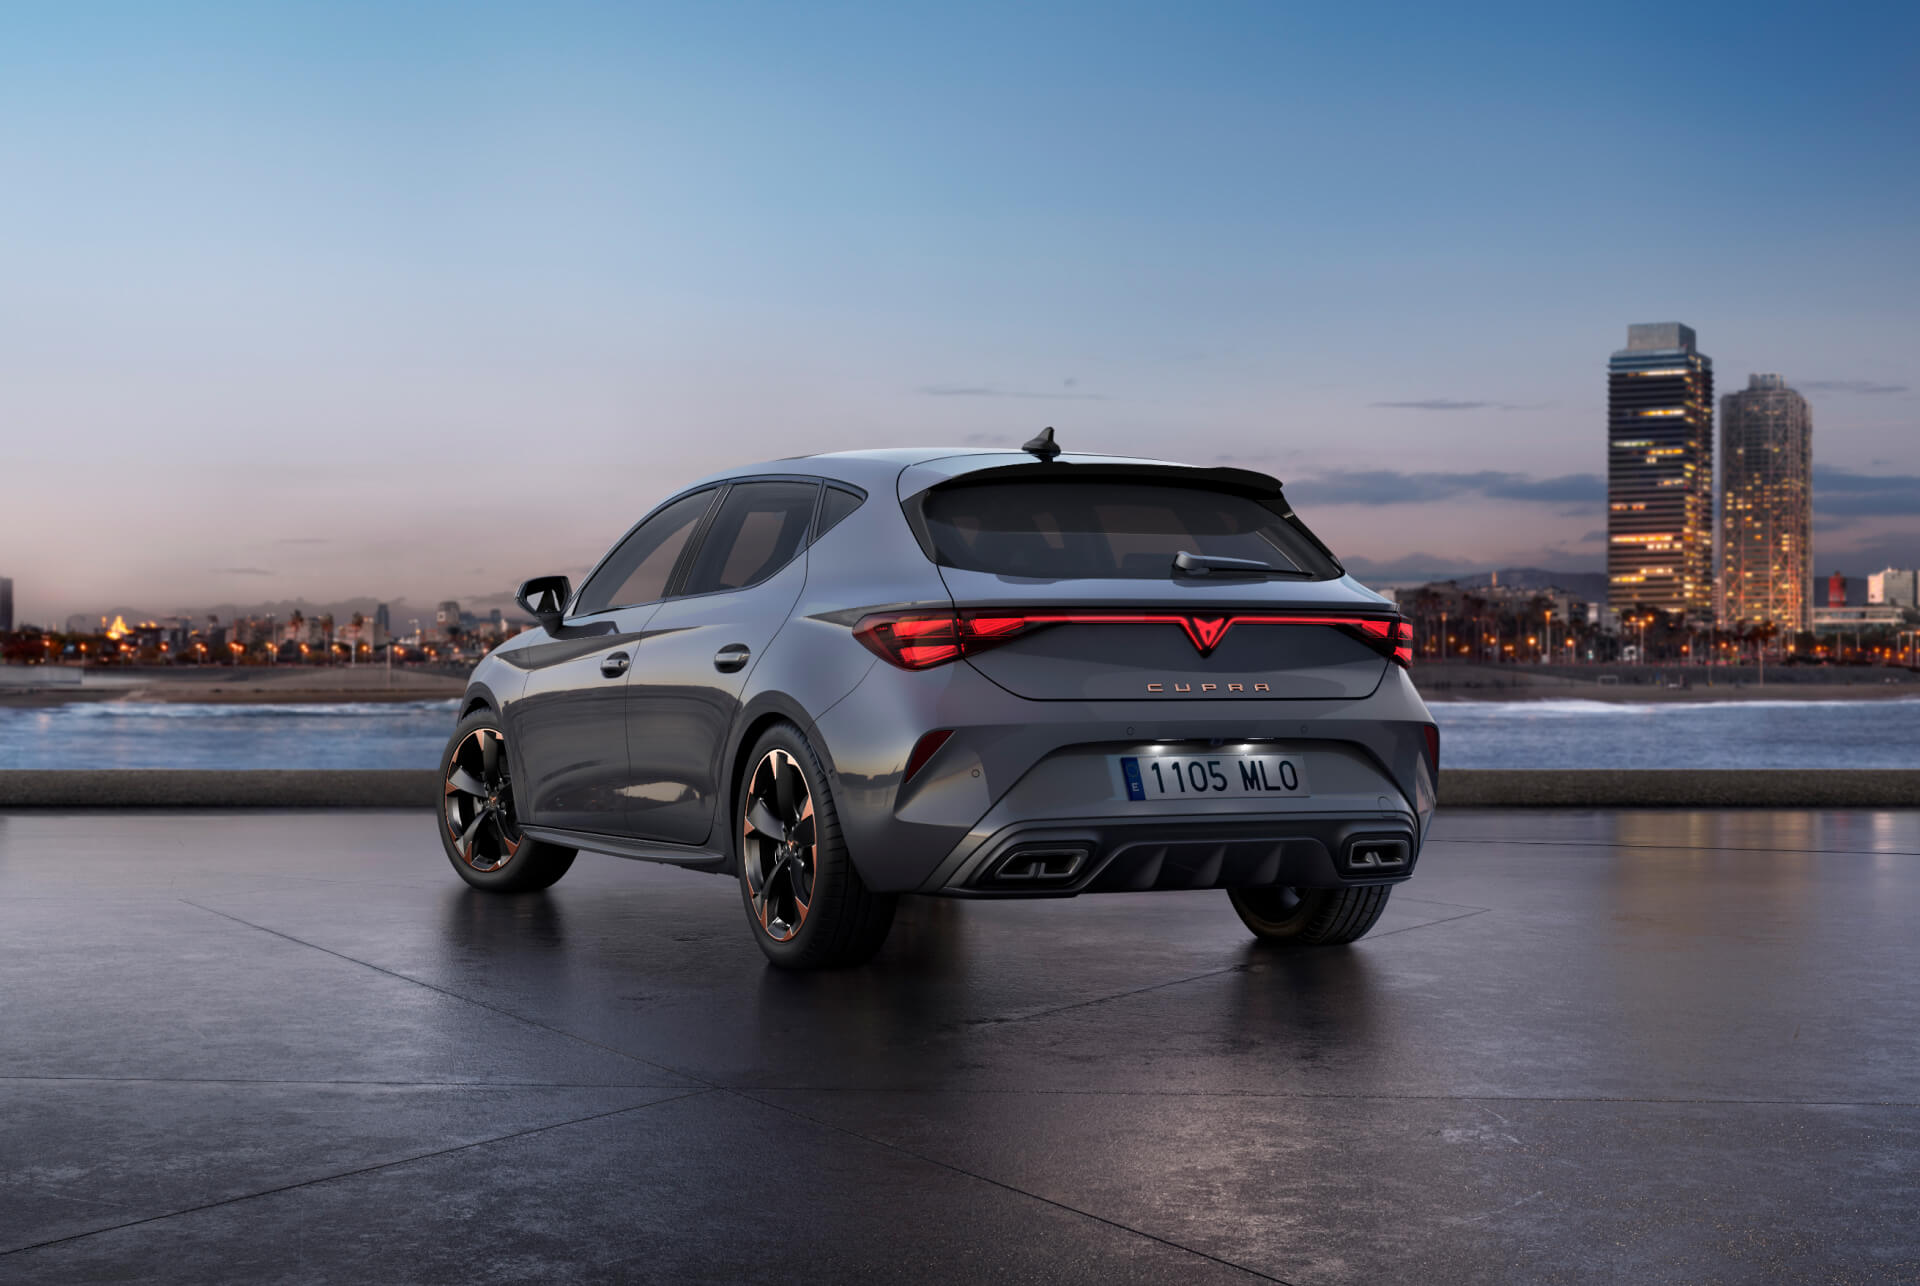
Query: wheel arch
{"points": [[762, 713], [479, 696]]}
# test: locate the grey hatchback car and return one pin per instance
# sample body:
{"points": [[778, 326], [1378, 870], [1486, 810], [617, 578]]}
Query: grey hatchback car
{"points": [[980, 674]]}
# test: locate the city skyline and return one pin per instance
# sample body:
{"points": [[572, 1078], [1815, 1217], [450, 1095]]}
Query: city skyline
{"points": [[340, 301]]}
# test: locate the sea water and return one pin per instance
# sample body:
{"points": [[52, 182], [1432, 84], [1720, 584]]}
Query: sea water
{"points": [[1882, 733]]}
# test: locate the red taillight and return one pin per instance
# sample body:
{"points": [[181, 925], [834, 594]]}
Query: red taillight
{"points": [[921, 640], [916, 642]]}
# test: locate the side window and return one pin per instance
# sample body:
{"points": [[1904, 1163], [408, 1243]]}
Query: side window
{"points": [[637, 571], [837, 504], [757, 530]]}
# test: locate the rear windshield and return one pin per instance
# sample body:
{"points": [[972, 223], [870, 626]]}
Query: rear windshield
{"points": [[1092, 528]]}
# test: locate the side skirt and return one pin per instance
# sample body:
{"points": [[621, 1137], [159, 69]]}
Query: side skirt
{"points": [[687, 855]]}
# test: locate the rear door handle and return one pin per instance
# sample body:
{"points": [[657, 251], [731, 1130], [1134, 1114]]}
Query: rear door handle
{"points": [[614, 664], [731, 657]]}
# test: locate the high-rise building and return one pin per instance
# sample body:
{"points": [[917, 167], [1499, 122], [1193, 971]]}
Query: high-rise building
{"points": [[1837, 590], [383, 619], [1766, 506], [6, 604], [1660, 474]]}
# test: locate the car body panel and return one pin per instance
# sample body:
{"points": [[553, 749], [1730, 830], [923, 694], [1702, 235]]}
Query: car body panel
{"points": [[569, 726], [680, 707]]}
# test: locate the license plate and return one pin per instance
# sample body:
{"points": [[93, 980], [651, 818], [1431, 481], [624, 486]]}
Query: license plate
{"points": [[1211, 776]]}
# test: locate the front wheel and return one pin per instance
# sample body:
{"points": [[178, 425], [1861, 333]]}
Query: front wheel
{"points": [[478, 827], [807, 904], [1310, 917]]}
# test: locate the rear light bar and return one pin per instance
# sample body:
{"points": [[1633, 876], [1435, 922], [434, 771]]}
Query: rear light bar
{"points": [[922, 640]]}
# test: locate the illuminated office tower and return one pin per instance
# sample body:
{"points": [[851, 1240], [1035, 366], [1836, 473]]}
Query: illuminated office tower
{"points": [[1660, 474], [1766, 506]]}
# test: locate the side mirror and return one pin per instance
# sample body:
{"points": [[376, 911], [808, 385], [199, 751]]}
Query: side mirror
{"points": [[545, 598]]}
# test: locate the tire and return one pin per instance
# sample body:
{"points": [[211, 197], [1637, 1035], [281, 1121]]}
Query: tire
{"points": [[1310, 917], [805, 902], [478, 828]]}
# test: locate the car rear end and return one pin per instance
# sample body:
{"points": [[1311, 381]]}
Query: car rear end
{"points": [[1126, 676]]}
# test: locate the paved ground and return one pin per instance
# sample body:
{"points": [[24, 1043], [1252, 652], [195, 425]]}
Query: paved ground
{"points": [[1581, 1047]]}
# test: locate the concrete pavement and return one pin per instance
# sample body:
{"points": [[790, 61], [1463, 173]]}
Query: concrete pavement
{"points": [[270, 1047]]}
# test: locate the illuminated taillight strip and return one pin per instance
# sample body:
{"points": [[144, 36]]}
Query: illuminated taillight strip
{"points": [[918, 641]]}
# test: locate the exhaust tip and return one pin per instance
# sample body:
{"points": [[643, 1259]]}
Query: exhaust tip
{"points": [[1037, 866], [1376, 855]]}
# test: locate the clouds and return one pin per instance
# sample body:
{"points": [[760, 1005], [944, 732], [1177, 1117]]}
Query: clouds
{"points": [[1841, 494], [1849, 386], [987, 390], [1453, 404], [1387, 487], [1442, 404]]}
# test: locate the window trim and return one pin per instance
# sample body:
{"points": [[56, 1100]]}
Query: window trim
{"points": [[676, 584], [674, 573]]}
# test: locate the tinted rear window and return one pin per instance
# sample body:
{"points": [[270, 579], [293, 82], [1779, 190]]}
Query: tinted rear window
{"points": [[1085, 529]]}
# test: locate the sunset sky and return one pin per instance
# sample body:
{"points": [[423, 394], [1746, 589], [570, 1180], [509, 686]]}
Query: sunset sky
{"points": [[414, 301]]}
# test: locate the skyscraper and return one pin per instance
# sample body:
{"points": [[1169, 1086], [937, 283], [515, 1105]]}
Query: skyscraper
{"points": [[6, 604], [1660, 474], [1766, 506]]}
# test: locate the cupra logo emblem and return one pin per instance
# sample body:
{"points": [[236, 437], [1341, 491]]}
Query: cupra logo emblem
{"points": [[1207, 633]]}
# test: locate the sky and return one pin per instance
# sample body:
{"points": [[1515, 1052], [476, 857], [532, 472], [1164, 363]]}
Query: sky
{"points": [[413, 301]]}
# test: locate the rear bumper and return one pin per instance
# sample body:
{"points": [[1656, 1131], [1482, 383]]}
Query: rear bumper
{"points": [[1018, 770], [1121, 855], [1033, 766]]}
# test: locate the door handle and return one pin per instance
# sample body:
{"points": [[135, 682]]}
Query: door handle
{"points": [[731, 657], [614, 664]]}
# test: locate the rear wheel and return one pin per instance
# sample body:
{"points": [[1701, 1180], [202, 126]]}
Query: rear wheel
{"points": [[1310, 917], [478, 828], [807, 904]]}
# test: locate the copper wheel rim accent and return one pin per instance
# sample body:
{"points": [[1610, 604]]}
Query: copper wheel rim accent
{"points": [[478, 802], [778, 847]]}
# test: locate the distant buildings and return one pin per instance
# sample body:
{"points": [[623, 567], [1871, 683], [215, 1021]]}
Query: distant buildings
{"points": [[1766, 507], [1894, 587], [1827, 620], [1660, 474], [446, 617], [1837, 590], [6, 604]]}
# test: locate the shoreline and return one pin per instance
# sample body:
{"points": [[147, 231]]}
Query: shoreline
{"points": [[1720, 694], [29, 688]]}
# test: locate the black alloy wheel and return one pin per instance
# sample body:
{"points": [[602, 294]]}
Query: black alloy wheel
{"points": [[808, 905], [478, 826], [778, 845], [479, 802]]}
